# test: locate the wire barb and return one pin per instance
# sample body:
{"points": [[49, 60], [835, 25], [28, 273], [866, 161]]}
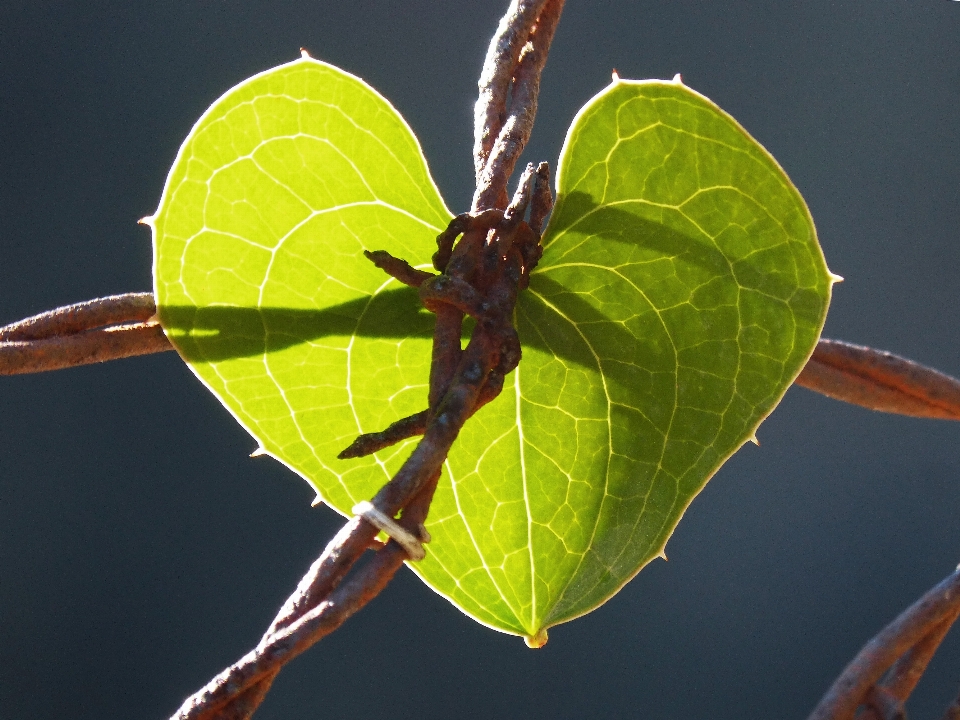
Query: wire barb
{"points": [[397, 268], [481, 275], [369, 443]]}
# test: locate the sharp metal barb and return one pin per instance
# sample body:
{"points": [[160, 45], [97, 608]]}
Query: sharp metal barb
{"points": [[463, 379], [369, 443], [398, 268]]}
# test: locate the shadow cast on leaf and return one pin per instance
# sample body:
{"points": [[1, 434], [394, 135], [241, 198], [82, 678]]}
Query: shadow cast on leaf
{"points": [[223, 332], [220, 332], [581, 214]]}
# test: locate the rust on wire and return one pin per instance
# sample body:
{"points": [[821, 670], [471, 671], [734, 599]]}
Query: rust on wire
{"points": [[525, 47], [397, 268], [484, 259], [369, 443], [907, 644], [903, 677], [497, 73], [95, 331], [481, 275], [233, 692], [86, 348], [881, 381], [111, 310]]}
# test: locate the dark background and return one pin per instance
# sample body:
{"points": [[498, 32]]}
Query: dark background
{"points": [[141, 550]]}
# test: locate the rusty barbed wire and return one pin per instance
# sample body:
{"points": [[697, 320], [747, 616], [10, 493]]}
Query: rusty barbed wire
{"points": [[490, 262], [901, 650]]}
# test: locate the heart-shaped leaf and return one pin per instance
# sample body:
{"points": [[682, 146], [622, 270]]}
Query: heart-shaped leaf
{"points": [[681, 291]]}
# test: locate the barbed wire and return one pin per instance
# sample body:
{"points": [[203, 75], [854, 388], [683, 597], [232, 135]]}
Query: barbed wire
{"points": [[462, 380]]}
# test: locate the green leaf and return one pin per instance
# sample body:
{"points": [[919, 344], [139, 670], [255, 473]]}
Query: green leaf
{"points": [[261, 282], [681, 291]]}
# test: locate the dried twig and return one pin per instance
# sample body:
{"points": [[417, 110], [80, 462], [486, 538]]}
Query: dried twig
{"points": [[912, 637]]}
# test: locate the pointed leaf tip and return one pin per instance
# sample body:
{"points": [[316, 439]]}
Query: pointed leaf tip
{"points": [[659, 313], [536, 641], [304, 54]]}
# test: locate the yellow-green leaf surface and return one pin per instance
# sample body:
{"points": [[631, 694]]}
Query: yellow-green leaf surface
{"points": [[260, 278], [681, 291]]}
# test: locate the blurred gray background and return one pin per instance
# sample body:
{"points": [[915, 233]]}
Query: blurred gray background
{"points": [[141, 550]]}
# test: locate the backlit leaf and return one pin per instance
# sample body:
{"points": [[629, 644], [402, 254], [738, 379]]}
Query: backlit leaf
{"points": [[681, 291], [260, 278]]}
